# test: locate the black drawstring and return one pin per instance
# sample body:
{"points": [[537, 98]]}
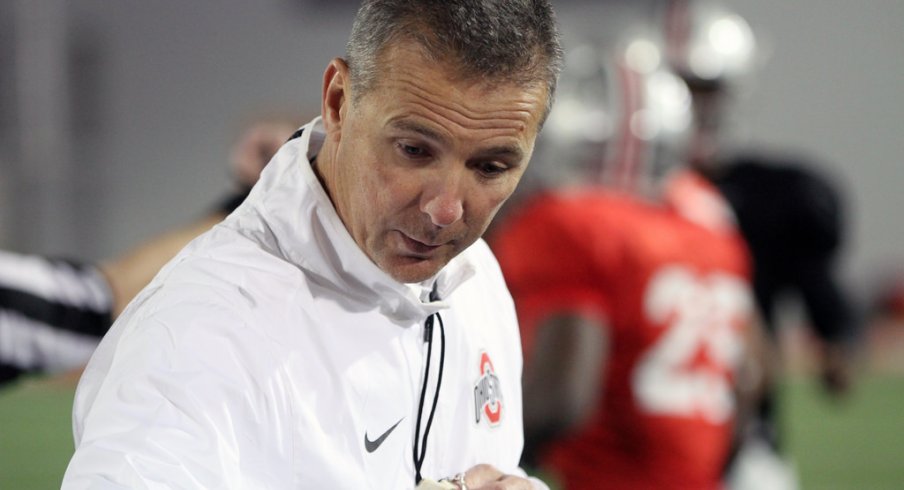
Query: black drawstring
{"points": [[428, 337]]}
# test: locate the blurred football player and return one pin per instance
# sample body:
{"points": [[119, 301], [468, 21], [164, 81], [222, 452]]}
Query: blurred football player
{"points": [[631, 283], [790, 214]]}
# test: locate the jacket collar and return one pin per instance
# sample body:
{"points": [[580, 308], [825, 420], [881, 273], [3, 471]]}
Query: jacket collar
{"points": [[290, 215]]}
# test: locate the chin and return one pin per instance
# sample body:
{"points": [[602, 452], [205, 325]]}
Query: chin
{"points": [[414, 272]]}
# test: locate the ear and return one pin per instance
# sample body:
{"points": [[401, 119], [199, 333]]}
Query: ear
{"points": [[336, 96]]}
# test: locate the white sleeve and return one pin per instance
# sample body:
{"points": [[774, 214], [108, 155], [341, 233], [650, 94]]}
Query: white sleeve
{"points": [[190, 398]]}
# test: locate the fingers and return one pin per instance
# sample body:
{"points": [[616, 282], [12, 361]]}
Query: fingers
{"points": [[481, 475], [486, 477], [255, 148]]}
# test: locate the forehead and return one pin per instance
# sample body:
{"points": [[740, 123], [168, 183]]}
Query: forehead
{"points": [[411, 79]]}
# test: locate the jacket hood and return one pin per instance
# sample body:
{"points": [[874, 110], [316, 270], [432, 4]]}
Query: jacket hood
{"points": [[289, 214]]}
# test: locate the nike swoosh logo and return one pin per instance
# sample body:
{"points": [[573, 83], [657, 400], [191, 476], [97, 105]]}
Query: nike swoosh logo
{"points": [[372, 446]]}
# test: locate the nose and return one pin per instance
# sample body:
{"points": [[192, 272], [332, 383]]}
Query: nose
{"points": [[443, 200]]}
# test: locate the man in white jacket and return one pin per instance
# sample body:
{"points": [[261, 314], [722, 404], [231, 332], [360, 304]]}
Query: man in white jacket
{"points": [[346, 327]]}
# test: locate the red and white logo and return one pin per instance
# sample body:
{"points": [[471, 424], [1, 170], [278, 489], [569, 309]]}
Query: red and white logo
{"points": [[487, 393]]}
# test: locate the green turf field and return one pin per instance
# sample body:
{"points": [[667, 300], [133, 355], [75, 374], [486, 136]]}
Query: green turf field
{"points": [[35, 435], [854, 445], [858, 444]]}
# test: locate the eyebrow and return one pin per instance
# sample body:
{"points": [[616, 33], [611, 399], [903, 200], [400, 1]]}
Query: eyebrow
{"points": [[509, 151], [512, 151], [407, 125]]}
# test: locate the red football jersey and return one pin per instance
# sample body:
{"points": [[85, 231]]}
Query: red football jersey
{"points": [[672, 284]]}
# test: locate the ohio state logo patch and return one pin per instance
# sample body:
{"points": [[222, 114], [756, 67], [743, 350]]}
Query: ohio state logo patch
{"points": [[487, 393]]}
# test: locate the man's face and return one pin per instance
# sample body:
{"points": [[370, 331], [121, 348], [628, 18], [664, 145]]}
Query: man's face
{"points": [[418, 166]]}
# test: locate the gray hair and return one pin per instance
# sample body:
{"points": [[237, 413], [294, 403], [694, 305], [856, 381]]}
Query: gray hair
{"points": [[498, 40]]}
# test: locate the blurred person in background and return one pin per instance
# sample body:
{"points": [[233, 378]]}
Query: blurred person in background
{"points": [[790, 213], [53, 312], [632, 285]]}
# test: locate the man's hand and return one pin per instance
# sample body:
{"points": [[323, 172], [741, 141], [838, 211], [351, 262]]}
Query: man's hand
{"points": [[256, 146], [486, 477]]}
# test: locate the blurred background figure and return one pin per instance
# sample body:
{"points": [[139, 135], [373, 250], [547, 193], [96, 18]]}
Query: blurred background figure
{"points": [[53, 312], [631, 282], [791, 214]]}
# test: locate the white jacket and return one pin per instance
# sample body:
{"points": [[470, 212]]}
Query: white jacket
{"points": [[271, 351]]}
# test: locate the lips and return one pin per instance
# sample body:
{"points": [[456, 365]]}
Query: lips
{"points": [[417, 247]]}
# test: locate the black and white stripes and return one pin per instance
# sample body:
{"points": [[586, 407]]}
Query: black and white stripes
{"points": [[52, 314]]}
